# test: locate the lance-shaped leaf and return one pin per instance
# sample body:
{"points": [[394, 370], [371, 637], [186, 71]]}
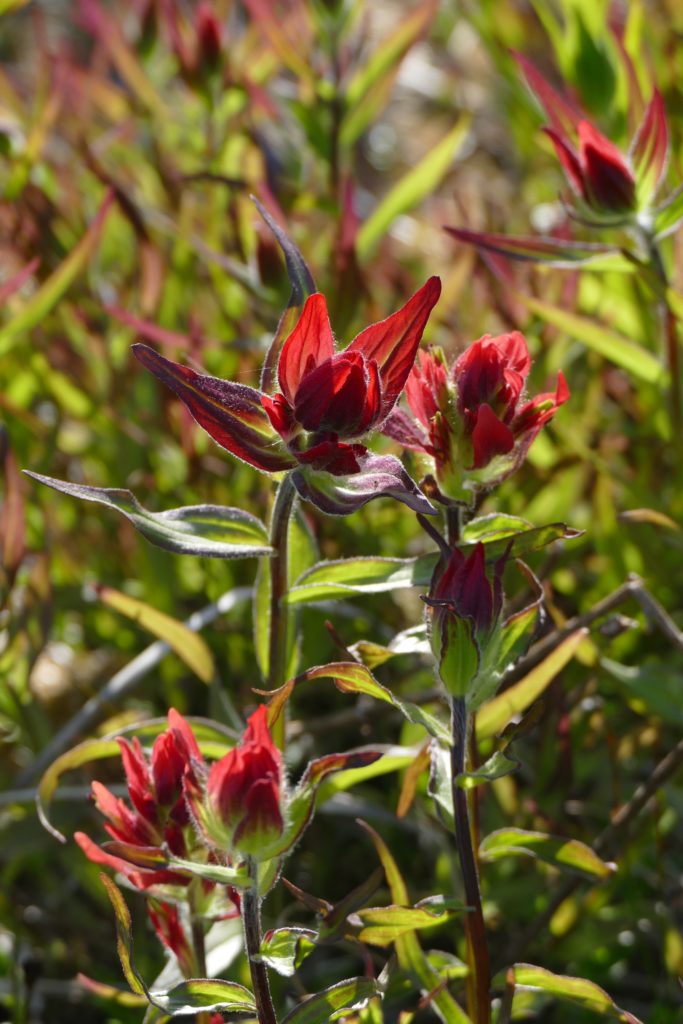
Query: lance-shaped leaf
{"points": [[189, 996], [380, 476], [411, 956], [302, 284], [351, 677], [231, 413], [383, 925], [495, 715], [188, 645], [669, 215], [336, 579], [212, 531], [553, 251], [285, 949], [571, 854], [334, 1002], [495, 767], [578, 991]]}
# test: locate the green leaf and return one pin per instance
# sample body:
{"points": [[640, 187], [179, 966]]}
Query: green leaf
{"points": [[370, 86], [187, 997], [383, 925], [393, 759], [495, 715], [579, 991], [411, 956], [333, 1002], [495, 767], [615, 347], [285, 949], [218, 873], [52, 290], [669, 215], [561, 853], [188, 645], [209, 994], [337, 579], [416, 185], [212, 531]]}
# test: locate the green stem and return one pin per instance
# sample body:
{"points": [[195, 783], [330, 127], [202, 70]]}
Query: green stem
{"points": [[198, 948], [279, 615], [251, 920], [479, 981]]}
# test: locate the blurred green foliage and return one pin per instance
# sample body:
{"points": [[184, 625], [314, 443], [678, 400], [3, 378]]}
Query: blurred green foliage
{"points": [[323, 110]]}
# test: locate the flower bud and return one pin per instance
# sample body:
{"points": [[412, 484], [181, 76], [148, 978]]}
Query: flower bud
{"points": [[243, 793]]}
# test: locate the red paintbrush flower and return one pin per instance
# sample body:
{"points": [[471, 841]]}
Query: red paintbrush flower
{"points": [[244, 792], [608, 183], [472, 419], [326, 403], [158, 817]]}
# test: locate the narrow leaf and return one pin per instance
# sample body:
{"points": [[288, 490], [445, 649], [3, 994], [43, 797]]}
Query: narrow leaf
{"points": [[561, 853], [383, 925], [208, 994], [124, 936], [615, 347], [189, 646], [494, 716], [212, 531], [495, 767], [579, 991], [333, 1002], [338, 579], [554, 252], [52, 290], [415, 186]]}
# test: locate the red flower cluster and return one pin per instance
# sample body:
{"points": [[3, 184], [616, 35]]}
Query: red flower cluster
{"points": [[158, 816], [473, 419], [326, 400], [244, 792], [609, 183]]}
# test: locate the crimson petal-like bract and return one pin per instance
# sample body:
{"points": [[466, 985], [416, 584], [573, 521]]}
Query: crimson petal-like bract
{"points": [[231, 413]]}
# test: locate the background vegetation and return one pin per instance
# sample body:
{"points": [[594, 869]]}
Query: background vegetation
{"points": [[363, 128]]}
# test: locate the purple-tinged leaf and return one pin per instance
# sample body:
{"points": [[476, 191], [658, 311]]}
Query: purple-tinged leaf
{"points": [[650, 148], [563, 117], [302, 284], [553, 251], [124, 936], [231, 413], [381, 476], [334, 1002], [211, 531]]}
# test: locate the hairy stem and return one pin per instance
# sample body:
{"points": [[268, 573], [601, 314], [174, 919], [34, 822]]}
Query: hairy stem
{"points": [[670, 331], [479, 982], [251, 920]]}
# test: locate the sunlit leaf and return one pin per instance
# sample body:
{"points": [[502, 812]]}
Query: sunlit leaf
{"points": [[333, 1002], [553, 251], [383, 925], [618, 349], [419, 182], [360, 576], [188, 645], [561, 853], [578, 991], [285, 949], [212, 531], [495, 715]]}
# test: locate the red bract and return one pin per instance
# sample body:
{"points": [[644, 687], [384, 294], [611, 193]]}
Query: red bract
{"points": [[472, 419], [243, 792], [609, 183], [326, 400], [158, 816]]}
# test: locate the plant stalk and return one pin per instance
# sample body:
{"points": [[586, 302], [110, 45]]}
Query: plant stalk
{"points": [[479, 981], [670, 330], [251, 920]]}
